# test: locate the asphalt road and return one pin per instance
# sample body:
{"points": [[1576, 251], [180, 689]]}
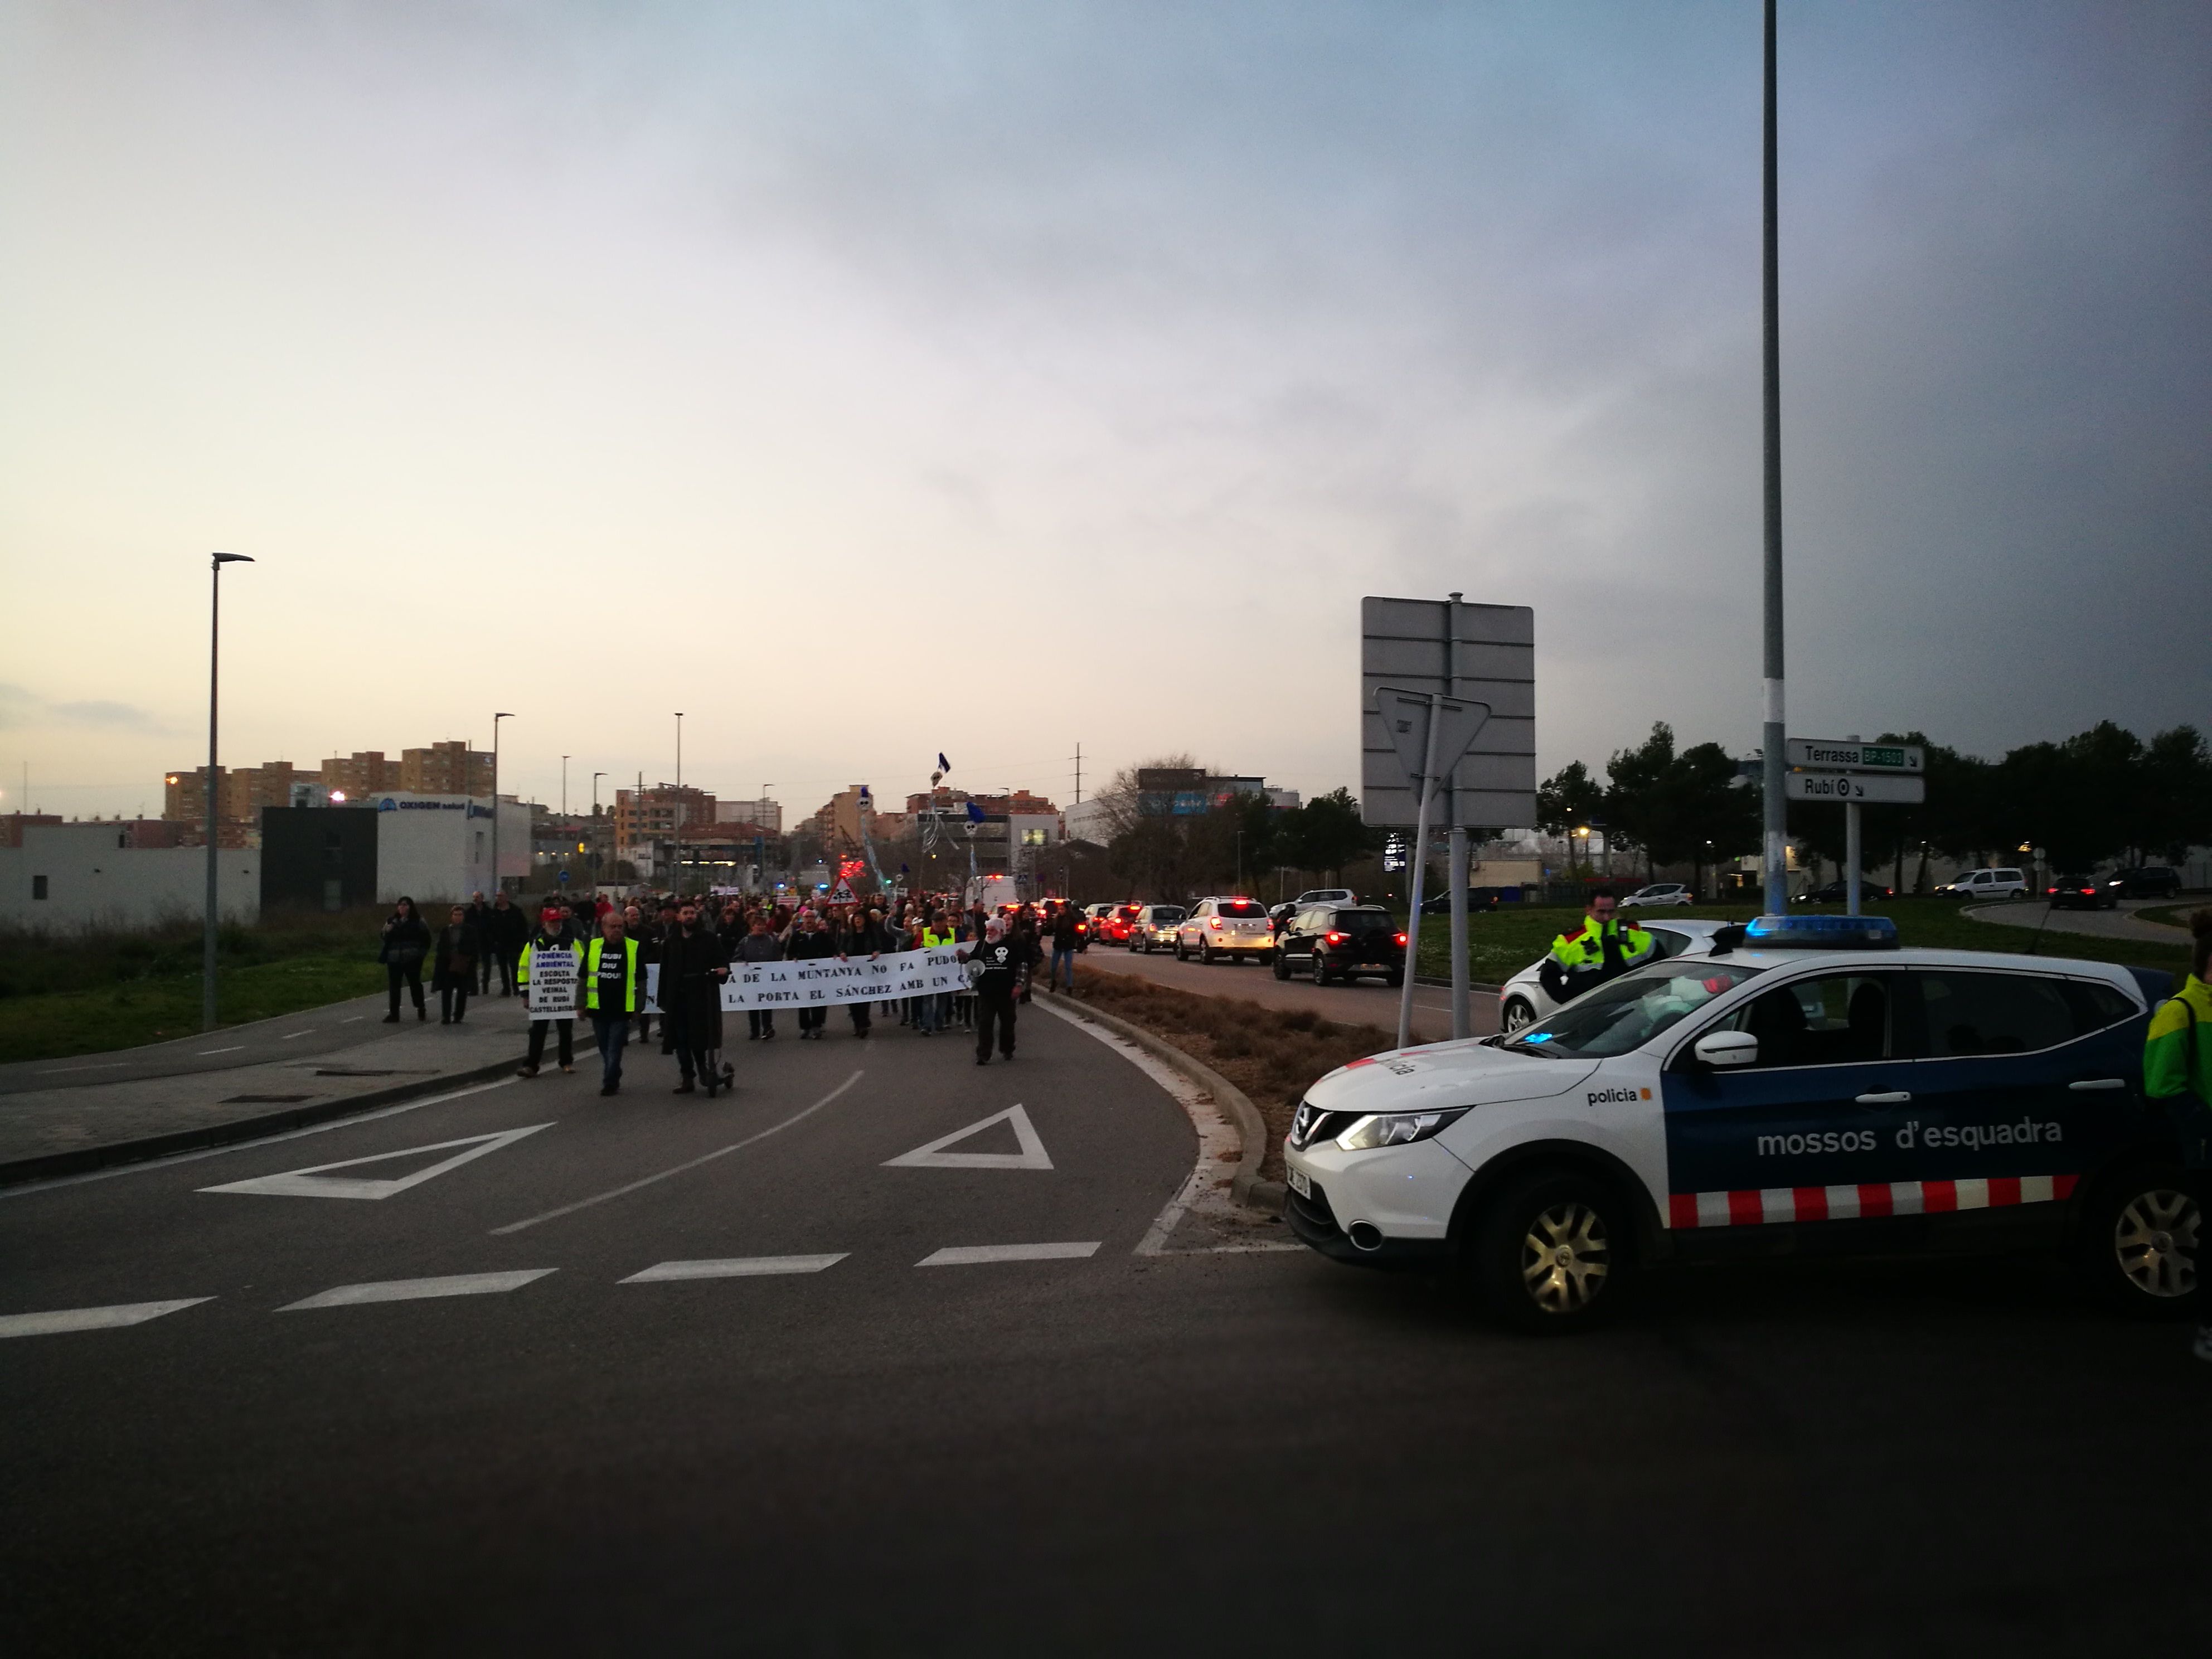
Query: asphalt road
{"points": [[1369, 1002], [1081, 1450]]}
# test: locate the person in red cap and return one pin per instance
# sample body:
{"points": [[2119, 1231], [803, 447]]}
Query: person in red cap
{"points": [[554, 934]]}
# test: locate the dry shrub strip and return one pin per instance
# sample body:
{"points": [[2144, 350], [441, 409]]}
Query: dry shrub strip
{"points": [[1273, 1054]]}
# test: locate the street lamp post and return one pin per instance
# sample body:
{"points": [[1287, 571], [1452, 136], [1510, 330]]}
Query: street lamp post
{"points": [[496, 720], [678, 815], [1773, 726], [215, 563], [564, 786]]}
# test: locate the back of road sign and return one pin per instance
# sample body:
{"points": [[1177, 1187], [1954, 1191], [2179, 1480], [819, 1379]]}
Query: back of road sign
{"points": [[1475, 653], [1406, 716]]}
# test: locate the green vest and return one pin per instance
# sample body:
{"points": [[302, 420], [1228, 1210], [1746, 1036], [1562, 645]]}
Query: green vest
{"points": [[1584, 949], [630, 976]]}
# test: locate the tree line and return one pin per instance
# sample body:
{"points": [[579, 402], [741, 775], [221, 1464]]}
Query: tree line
{"points": [[1169, 854], [2103, 795]]}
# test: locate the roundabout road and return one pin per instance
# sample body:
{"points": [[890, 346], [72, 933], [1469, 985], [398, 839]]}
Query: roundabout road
{"points": [[1369, 1002]]}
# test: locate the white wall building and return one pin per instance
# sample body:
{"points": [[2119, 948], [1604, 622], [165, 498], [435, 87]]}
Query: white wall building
{"points": [[70, 877]]}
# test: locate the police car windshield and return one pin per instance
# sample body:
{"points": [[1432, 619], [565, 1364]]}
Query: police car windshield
{"points": [[1631, 1010]]}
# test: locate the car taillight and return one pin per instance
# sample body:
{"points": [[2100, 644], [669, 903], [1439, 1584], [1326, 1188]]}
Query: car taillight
{"points": [[1401, 939], [1214, 922], [1337, 938]]}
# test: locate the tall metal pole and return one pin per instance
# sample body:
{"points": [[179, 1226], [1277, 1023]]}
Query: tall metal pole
{"points": [[564, 786], [1420, 871], [1461, 1024], [678, 858], [496, 720], [1774, 739], [215, 562]]}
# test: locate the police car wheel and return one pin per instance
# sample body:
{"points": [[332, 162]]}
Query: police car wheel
{"points": [[1551, 1255], [2145, 1245], [1518, 1016]]}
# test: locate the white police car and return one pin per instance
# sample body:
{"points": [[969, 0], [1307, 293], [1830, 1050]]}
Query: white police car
{"points": [[1808, 1086]]}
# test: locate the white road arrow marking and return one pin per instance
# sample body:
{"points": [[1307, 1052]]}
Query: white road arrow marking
{"points": [[1032, 1155], [314, 1183]]}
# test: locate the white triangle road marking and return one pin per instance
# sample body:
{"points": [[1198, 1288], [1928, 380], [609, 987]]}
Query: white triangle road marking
{"points": [[92, 1319], [314, 1183], [1032, 1155]]}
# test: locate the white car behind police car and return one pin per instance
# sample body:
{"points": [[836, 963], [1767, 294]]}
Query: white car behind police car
{"points": [[1811, 1086], [1523, 1001]]}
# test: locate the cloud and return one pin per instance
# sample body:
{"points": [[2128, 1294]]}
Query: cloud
{"points": [[21, 708]]}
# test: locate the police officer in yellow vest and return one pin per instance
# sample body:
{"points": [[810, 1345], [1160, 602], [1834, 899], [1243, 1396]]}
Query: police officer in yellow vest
{"points": [[614, 990], [1603, 948]]}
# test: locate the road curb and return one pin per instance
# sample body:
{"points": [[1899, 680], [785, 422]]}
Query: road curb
{"points": [[1247, 1189], [78, 1160]]}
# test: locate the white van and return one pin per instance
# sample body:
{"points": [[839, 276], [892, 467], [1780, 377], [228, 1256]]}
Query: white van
{"points": [[1986, 884]]}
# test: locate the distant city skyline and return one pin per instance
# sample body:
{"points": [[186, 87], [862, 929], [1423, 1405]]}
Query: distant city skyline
{"points": [[983, 379]]}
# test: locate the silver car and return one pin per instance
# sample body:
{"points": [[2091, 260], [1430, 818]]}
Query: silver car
{"points": [[1154, 928], [1225, 929]]}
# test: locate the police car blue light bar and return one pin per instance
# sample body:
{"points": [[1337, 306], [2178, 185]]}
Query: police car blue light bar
{"points": [[1820, 933]]}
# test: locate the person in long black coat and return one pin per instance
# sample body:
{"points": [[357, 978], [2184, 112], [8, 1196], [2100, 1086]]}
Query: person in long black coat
{"points": [[405, 942], [693, 965]]}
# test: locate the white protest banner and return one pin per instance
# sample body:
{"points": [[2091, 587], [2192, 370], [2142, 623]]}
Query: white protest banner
{"points": [[553, 976], [652, 988], [820, 982]]}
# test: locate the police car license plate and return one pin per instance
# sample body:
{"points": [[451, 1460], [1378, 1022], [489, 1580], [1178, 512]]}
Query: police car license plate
{"points": [[1300, 1182]]}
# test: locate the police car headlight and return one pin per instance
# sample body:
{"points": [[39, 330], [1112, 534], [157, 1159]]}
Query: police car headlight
{"points": [[1396, 1128]]}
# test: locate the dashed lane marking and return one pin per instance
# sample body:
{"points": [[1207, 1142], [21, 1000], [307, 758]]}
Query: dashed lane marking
{"points": [[104, 1065], [288, 1035], [968, 1256], [234, 1049], [92, 1319], [739, 1267], [419, 1290], [647, 1180]]}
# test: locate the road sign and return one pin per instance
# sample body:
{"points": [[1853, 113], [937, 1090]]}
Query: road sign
{"points": [[1406, 716], [1471, 653], [1849, 754], [1859, 788]]}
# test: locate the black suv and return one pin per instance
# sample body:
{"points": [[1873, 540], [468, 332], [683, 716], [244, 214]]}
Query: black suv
{"points": [[1340, 941], [2149, 881], [2084, 893]]}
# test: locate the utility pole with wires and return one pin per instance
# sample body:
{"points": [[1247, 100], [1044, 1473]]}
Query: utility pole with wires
{"points": [[1079, 774]]}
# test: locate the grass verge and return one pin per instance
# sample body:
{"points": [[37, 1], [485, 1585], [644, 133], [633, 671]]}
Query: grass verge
{"points": [[2173, 915], [65, 1022], [1273, 1054]]}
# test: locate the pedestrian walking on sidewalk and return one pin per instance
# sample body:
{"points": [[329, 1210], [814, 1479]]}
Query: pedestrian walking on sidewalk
{"points": [[453, 966], [999, 959], [693, 966], [507, 932], [552, 934], [405, 942], [759, 945], [480, 919], [614, 987]]}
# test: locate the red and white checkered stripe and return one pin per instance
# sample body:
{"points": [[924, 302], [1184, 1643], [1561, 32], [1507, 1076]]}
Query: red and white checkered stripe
{"points": [[1756, 1205]]}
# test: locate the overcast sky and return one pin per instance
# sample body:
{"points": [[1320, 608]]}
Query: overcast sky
{"points": [[872, 380]]}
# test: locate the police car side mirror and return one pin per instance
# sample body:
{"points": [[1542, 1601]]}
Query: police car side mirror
{"points": [[1722, 1049]]}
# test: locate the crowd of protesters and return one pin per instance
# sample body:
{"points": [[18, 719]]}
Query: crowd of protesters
{"points": [[696, 941]]}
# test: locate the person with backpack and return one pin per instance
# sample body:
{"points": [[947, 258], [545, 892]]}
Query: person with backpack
{"points": [[2177, 1064], [405, 942]]}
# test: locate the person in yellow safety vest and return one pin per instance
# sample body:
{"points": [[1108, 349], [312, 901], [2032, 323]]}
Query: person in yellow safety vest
{"points": [[929, 1011], [2178, 1072], [1603, 948], [554, 933], [614, 990]]}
